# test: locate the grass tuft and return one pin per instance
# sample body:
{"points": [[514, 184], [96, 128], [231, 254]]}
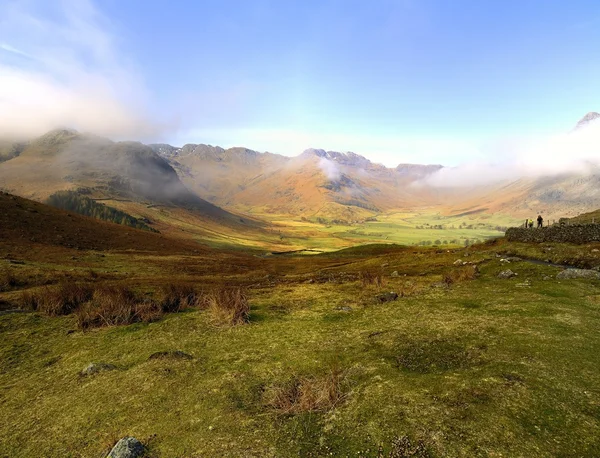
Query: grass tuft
{"points": [[7, 280], [116, 305], [176, 297], [228, 306], [307, 394], [61, 300], [371, 277], [461, 274]]}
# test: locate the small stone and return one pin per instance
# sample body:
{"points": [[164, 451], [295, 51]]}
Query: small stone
{"points": [[386, 297], [546, 278], [385, 264], [128, 447], [395, 274], [505, 261], [344, 308], [505, 274], [514, 259], [94, 368], [458, 262], [595, 250]]}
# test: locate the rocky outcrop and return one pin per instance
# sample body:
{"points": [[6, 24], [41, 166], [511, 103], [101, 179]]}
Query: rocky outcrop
{"points": [[578, 234], [578, 273], [128, 447]]}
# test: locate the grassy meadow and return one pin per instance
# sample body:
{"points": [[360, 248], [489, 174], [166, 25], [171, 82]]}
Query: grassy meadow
{"points": [[462, 364]]}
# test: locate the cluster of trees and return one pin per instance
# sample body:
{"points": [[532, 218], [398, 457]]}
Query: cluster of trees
{"points": [[72, 201]]}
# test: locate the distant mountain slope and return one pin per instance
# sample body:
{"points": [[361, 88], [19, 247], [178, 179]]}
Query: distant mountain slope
{"points": [[316, 183], [25, 223], [68, 160]]}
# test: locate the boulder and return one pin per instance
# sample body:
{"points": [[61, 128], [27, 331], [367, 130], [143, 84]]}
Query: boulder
{"points": [[395, 274], [458, 262], [505, 274], [578, 273], [128, 447], [386, 297], [94, 368]]}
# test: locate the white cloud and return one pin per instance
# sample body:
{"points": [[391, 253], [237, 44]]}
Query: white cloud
{"points": [[577, 152], [330, 169], [63, 68]]}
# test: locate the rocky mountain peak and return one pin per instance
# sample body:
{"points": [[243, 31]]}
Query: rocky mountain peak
{"points": [[588, 118]]}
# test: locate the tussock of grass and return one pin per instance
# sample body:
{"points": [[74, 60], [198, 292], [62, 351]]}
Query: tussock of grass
{"points": [[307, 393], [460, 274], [61, 300], [7, 280], [116, 305], [176, 297], [371, 277], [228, 306]]}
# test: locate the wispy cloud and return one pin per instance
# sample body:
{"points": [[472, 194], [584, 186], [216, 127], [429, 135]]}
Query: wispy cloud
{"points": [[575, 152], [60, 66]]}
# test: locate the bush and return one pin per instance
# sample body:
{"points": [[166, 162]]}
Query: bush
{"points": [[178, 296], [371, 277], [306, 394], [116, 305], [61, 300], [460, 274], [228, 306]]}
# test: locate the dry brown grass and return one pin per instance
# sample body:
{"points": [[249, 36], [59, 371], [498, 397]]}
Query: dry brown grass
{"points": [[176, 297], [7, 280], [228, 306], [460, 274], [371, 277], [307, 394], [116, 305], [60, 300]]}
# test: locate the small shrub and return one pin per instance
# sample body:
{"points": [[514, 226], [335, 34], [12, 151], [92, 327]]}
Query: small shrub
{"points": [[228, 306], [461, 274], [116, 305], [178, 296], [307, 394], [62, 300], [7, 280], [371, 277]]}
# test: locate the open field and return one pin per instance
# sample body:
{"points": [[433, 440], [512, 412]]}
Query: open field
{"points": [[406, 228], [461, 364]]}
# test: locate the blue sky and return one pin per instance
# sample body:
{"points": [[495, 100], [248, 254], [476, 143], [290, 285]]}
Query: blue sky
{"points": [[442, 81]]}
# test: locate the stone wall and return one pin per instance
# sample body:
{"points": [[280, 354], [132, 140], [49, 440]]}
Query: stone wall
{"points": [[579, 234]]}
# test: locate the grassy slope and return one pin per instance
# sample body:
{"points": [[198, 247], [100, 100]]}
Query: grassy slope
{"points": [[485, 368]]}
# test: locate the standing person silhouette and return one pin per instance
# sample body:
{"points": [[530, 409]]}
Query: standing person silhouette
{"points": [[540, 221]]}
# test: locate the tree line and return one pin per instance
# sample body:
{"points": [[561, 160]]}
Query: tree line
{"points": [[72, 201]]}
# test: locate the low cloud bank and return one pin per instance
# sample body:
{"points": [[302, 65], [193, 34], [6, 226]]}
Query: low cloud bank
{"points": [[577, 152]]}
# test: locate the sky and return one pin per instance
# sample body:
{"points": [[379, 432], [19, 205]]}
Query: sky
{"points": [[422, 81]]}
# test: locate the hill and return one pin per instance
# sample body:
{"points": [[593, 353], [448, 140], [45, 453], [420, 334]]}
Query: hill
{"points": [[29, 227]]}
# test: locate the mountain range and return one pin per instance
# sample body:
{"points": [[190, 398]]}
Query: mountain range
{"points": [[231, 185]]}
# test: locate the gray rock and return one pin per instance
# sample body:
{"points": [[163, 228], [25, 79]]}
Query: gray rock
{"points": [[439, 284], [513, 259], [344, 308], [458, 262], [386, 297], [128, 447], [547, 277], [505, 274], [578, 273], [395, 274], [94, 368]]}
